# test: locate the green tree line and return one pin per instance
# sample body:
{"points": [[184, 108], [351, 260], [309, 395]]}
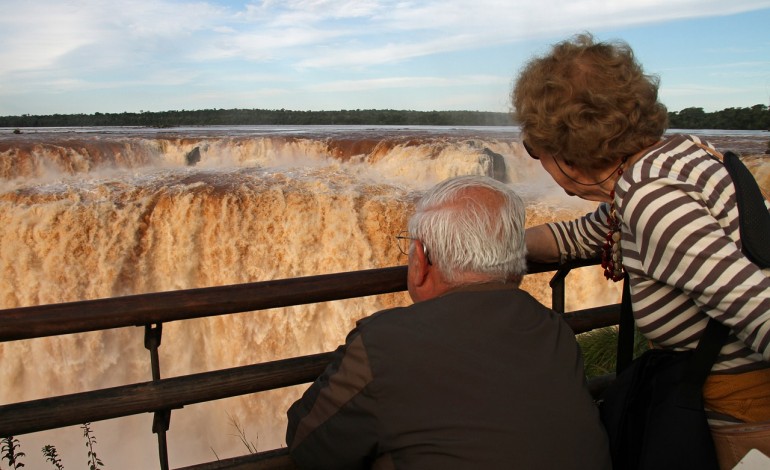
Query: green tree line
{"points": [[756, 117], [211, 117]]}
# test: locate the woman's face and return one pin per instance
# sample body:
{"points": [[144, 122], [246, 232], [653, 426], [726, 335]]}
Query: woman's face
{"points": [[574, 181]]}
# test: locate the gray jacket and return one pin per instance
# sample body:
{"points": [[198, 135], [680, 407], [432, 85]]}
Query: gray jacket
{"points": [[481, 378]]}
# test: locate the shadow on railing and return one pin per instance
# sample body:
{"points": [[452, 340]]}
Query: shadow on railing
{"points": [[160, 396]]}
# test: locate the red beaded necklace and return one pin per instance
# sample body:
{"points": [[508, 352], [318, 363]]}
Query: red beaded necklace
{"points": [[612, 259]]}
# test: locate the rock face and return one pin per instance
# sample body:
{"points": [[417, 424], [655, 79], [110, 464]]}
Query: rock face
{"points": [[499, 171], [193, 157]]}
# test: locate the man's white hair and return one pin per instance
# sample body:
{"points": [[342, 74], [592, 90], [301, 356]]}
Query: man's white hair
{"points": [[472, 225]]}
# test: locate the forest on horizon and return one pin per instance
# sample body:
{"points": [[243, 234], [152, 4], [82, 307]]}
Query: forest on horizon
{"points": [[756, 117]]}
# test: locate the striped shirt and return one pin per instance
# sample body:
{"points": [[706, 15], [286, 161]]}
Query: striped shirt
{"points": [[681, 246]]}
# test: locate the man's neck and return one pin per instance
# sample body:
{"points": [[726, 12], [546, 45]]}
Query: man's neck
{"points": [[484, 285]]}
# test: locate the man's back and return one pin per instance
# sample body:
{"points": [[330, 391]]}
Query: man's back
{"points": [[478, 378]]}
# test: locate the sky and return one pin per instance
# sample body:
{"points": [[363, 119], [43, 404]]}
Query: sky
{"points": [[88, 56]]}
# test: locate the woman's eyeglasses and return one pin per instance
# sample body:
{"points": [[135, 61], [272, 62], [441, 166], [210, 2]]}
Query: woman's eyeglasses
{"points": [[558, 165], [529, 150]]}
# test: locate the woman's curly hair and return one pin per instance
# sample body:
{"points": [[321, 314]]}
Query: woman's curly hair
{"points": [[589, 103]]}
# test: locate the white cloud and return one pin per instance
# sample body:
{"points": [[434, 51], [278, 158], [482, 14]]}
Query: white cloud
{"points": [[307, 12], [407, 82], [260, 45], [45, 34], [50, 45], [394, 31], [35, 35]]}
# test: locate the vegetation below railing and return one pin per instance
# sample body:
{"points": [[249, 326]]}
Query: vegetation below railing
{"points": [[10, 451], [599, 349]]}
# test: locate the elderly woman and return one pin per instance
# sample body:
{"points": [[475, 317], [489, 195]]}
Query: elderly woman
{"points": [[667, 214]]}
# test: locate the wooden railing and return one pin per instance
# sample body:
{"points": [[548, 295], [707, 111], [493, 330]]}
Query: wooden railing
{"points": [[161, 396]]}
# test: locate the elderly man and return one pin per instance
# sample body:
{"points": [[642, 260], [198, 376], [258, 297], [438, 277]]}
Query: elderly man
{"points": [[476, 374]]}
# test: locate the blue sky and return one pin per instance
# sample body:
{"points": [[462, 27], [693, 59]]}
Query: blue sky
{"points": [[86, 56]]}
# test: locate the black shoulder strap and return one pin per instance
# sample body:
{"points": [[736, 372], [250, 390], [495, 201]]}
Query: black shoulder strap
{"points": [[625, 329], [699, 366], [754, 217]]}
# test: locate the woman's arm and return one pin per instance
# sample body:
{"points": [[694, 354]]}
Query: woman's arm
{"points": [[557, 242], [541, 245]]}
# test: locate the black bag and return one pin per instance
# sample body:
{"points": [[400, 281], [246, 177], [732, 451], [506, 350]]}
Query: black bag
{"points": [[655, 419], [653, 412]]}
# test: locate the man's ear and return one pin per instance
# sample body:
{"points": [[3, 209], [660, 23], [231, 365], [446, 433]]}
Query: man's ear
{"points": [[420, 266]]}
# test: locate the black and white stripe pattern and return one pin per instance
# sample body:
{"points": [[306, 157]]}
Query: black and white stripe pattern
{"points": [[681, 248]]}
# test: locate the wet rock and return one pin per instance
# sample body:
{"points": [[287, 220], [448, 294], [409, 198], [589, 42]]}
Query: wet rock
{"points": [[193, 157], [499, 171]]}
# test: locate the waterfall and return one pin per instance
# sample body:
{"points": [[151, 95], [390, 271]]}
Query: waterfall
{"points": [[112, 212]]}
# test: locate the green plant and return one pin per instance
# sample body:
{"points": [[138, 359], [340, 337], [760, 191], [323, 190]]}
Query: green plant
{"points": [[11, 453], [600, 348], [94, 463], [52, 456]]}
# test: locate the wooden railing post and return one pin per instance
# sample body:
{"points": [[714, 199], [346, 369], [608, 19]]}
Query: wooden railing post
{"points": [[162, 418], [557, 289]]}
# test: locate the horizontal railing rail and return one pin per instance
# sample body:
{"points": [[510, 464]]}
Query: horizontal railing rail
{"points": [[277, 459], [160, 396], [164, 394], [162, 307]]}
